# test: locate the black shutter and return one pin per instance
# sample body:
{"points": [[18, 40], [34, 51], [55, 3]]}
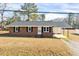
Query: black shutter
{"points": [[50, 28], [26, 29], [13, 29], [31, 29], [42, 29], [18, 29]]}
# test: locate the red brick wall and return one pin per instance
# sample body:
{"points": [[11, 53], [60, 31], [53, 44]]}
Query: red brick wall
{"points": [[23, 32], [48, 34]]}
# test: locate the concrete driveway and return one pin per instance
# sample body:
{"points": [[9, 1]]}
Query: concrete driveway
{"points": [[73, 45]]}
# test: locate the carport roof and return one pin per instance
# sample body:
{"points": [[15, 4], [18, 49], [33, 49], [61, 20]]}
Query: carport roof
{"points": [[61, 24]]}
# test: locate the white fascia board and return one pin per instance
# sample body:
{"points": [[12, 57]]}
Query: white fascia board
{"points": [[28, 26]]}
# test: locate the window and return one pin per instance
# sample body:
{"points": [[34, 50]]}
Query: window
{"points": [[16, 29], [29, 29], [46, 29]]}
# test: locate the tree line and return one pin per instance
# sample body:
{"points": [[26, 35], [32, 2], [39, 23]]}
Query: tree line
{"points": [[27, 16], [22, 16]]}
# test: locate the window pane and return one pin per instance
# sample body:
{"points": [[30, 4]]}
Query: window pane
{"points": [[16, 29], [29, 29], [44, 29]]}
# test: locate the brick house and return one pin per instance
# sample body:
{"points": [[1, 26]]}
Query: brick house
{"points": [[35, 28]]}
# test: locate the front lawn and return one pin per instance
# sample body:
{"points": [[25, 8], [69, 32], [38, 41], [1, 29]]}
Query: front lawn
{"points": [[27, 46]]}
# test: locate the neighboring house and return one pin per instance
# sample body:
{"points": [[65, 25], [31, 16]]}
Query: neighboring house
{"points": [[35, 28]]}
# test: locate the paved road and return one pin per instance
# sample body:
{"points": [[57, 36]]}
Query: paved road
{"points": [[74, 45]]}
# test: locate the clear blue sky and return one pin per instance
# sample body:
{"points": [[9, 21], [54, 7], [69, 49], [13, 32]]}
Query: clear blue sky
{"points": [[67, 7], [63, 7]]}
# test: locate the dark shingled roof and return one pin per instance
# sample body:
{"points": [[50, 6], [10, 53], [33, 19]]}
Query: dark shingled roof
{"points": [[61, 24]]}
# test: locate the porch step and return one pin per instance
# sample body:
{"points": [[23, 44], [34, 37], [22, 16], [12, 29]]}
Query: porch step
{"points": [[39, 35]]}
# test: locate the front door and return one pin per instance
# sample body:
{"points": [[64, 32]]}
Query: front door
{"points": [[39, 30]]}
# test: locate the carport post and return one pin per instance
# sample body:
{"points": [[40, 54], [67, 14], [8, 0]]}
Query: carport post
{"points": [[63, 31], [67, 33], [52, 31]]}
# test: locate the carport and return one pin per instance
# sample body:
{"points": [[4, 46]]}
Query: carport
{"points": [[63, 26]]}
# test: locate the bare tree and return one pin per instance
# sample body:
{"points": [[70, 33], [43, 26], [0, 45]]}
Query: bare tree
{"points": [[2, 7]]}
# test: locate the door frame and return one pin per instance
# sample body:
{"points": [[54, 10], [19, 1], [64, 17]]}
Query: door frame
{"points": [[39, 31]]}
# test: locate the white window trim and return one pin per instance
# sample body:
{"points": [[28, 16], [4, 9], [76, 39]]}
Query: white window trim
{"points": [[45, 29], [29, 30], [16, 29]]}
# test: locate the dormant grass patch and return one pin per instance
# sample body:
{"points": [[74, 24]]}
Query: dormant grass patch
{"points": [[26, 46]]}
